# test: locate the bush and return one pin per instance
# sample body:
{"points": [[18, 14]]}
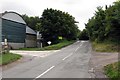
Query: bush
{"points": [[113, 70]]}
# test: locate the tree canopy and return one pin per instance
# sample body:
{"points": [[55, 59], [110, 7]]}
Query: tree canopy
{"points": [[32, 22], [83, 35], [105, 24], [55, 23]]}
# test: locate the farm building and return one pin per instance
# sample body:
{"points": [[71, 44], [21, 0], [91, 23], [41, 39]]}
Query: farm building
{"points": [[15, 30], [0, 32], [31, 38]]}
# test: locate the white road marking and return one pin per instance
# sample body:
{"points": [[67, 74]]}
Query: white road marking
{"points": [[77, 49], [67, 56], [44, 72], [81, 44], [71, 53]]}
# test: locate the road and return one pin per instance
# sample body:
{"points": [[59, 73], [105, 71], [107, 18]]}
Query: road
{"points": [[69, 62]]}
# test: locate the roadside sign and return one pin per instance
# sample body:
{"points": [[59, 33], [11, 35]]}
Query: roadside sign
{"points": [[60, 37], [5, 41], [49, 42]]}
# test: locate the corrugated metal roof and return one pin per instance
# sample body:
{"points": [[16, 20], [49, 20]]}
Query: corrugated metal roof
{"points": [[30, 31], [13, 16]]}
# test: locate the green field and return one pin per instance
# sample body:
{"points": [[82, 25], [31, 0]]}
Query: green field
{"points": [[8, 58], [51, 47], [113, 70]]}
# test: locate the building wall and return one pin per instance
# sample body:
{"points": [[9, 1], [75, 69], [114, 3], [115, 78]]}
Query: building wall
{"points": [[31, 40], [13, 31], [17, 45], [0, 34]]}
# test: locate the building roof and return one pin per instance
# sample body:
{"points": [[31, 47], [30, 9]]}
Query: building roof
{"points": [[13, 16], [30, 31], [17, 18]]}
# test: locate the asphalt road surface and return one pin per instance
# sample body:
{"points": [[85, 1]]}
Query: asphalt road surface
{"points": [[69, 62]]}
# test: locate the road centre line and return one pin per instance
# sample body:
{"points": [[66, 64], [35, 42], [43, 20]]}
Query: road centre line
{"points": [[71, 53], [81, 44], [67, 56], [54, 66], [44, 72], [78, 47]]}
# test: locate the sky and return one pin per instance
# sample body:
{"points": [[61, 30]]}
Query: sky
{"points": [[82, 10]]}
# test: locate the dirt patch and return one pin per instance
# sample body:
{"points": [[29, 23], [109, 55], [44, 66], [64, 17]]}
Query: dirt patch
{"points": [[98, 61]]}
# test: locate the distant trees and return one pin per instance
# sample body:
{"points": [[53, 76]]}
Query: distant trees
{"points": [[83, 35], [32, 22], [55, 23], [105, 24]]}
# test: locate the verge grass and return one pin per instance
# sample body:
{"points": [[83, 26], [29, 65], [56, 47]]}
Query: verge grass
{"points": [[8, 58], [113, 70], [51, 47], [105, 47]]}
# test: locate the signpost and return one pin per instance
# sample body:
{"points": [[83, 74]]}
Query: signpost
{"points": [[6, 47], [39, 39], [60, 37]]}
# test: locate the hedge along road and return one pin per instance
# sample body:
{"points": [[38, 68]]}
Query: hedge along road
{"points": [[70, 62]]}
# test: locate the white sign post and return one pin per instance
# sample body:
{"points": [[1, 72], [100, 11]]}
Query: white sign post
{"points": [[6, 48], [39, 37], [49, 42], [5, 41]]}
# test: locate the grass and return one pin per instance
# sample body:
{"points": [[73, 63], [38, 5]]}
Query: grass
{"points": [[8, 58], [113, 70], [105, 47], [51, 47]]}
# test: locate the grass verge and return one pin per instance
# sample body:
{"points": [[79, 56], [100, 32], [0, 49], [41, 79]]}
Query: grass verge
{"points": [[8, 58], [113, 70], [51, 47], [105, 47]]}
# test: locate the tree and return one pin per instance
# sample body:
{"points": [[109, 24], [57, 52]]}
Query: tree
{"points": [[83, 35], [55, 23], [105, 24], [32, 22]]}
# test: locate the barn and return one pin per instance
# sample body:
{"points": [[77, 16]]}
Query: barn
{"points": [[0, 32], [31, 37], [14, 30]]}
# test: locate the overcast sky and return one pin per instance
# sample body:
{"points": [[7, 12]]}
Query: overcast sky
{"points": [[82, 10]]}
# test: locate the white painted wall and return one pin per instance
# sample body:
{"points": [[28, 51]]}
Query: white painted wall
{"points": [[14, 17]]}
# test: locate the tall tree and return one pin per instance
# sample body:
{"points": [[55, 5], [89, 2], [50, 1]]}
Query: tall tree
{"points": [[83, 35], [55, 23], [105, 24]]}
